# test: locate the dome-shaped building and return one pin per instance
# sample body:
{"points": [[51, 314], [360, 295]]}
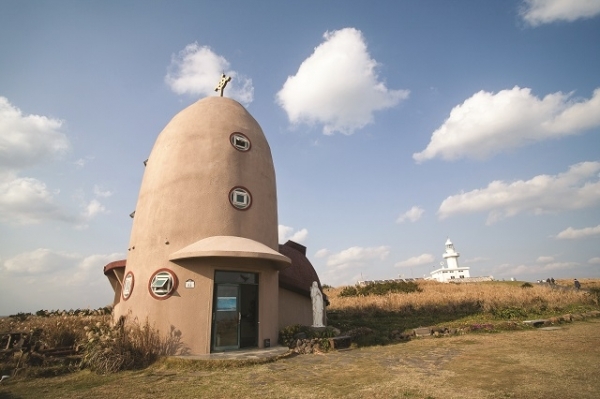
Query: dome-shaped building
{"points": [[203, 254], [294, 286]]}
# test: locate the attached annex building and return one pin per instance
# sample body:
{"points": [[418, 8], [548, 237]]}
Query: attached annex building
{"points": [[203, 257]]}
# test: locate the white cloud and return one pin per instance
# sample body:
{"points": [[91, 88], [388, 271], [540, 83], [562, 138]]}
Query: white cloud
{"points": [[196, 70], [594, 261], [299, 236], [510, 270], [346, 267], [24, 200], [89, 209], [287, 233], [88, 268], [476, 259], [422, 259], [93, 208], [81, 162], [541, 270], [560, 265], [337, 86], [577, 188], [26, 140], [544, 259], [99, 192], [40, 261], [413, 214], [49, 279], [488, 123], [571, 233], [321, 253], [537, 12], [357, 254]]}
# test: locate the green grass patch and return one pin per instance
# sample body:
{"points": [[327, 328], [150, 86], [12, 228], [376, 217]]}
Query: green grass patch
{"points": [[375, 327]]}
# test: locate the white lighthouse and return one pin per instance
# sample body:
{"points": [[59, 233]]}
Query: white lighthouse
{"points": [[451, 255], [449, 269]]}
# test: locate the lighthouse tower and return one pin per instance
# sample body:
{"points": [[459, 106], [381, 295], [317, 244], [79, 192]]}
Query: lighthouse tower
{"points": [[451, 256]]}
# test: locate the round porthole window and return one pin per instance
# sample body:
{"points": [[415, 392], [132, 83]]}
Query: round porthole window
{"points": [[162, 284], [240, 198], [127, 285], [240, 141]]}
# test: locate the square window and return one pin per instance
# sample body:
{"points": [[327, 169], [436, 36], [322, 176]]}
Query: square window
{"points": [[160, 282], [240, 142], [240, 198]]}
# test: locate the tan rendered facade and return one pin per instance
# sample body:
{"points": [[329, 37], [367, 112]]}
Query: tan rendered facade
{"points": [[294, 309], [187, 224]]}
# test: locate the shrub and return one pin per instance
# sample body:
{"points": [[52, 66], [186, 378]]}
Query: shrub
{"points": [[126, 346], [509, 313], [349, 291], [20, 316], [595, 294], [526, 285], [286, 334], [390, 287]]}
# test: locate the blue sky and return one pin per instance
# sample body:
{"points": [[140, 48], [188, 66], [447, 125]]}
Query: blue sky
{"points": [[393, 126]]}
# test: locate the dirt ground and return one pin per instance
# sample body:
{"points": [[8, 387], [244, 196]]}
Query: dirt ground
{"points": [[542, 363]]}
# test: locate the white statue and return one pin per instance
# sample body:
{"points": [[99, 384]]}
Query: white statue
{"points": [[317, 305]]}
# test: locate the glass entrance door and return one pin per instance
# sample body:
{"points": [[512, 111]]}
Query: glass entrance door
{"points": [[249, 316], [235, 311], [226, 317]]}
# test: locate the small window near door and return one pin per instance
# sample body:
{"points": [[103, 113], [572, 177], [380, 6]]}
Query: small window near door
{"points": [[162, 284]]}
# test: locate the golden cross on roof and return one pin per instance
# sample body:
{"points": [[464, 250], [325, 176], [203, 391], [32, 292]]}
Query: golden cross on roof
{"points": [[222, 83]]}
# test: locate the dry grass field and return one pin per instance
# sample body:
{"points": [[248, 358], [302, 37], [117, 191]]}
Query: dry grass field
{"points": [[488, 296], [497, 305], [530, 364], [560, 362]]}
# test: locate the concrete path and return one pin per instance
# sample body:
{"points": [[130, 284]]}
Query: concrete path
{"points": [[246, 354]]}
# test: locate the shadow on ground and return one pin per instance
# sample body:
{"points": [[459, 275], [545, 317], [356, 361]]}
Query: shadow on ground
{"points": [[382, 325]]}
